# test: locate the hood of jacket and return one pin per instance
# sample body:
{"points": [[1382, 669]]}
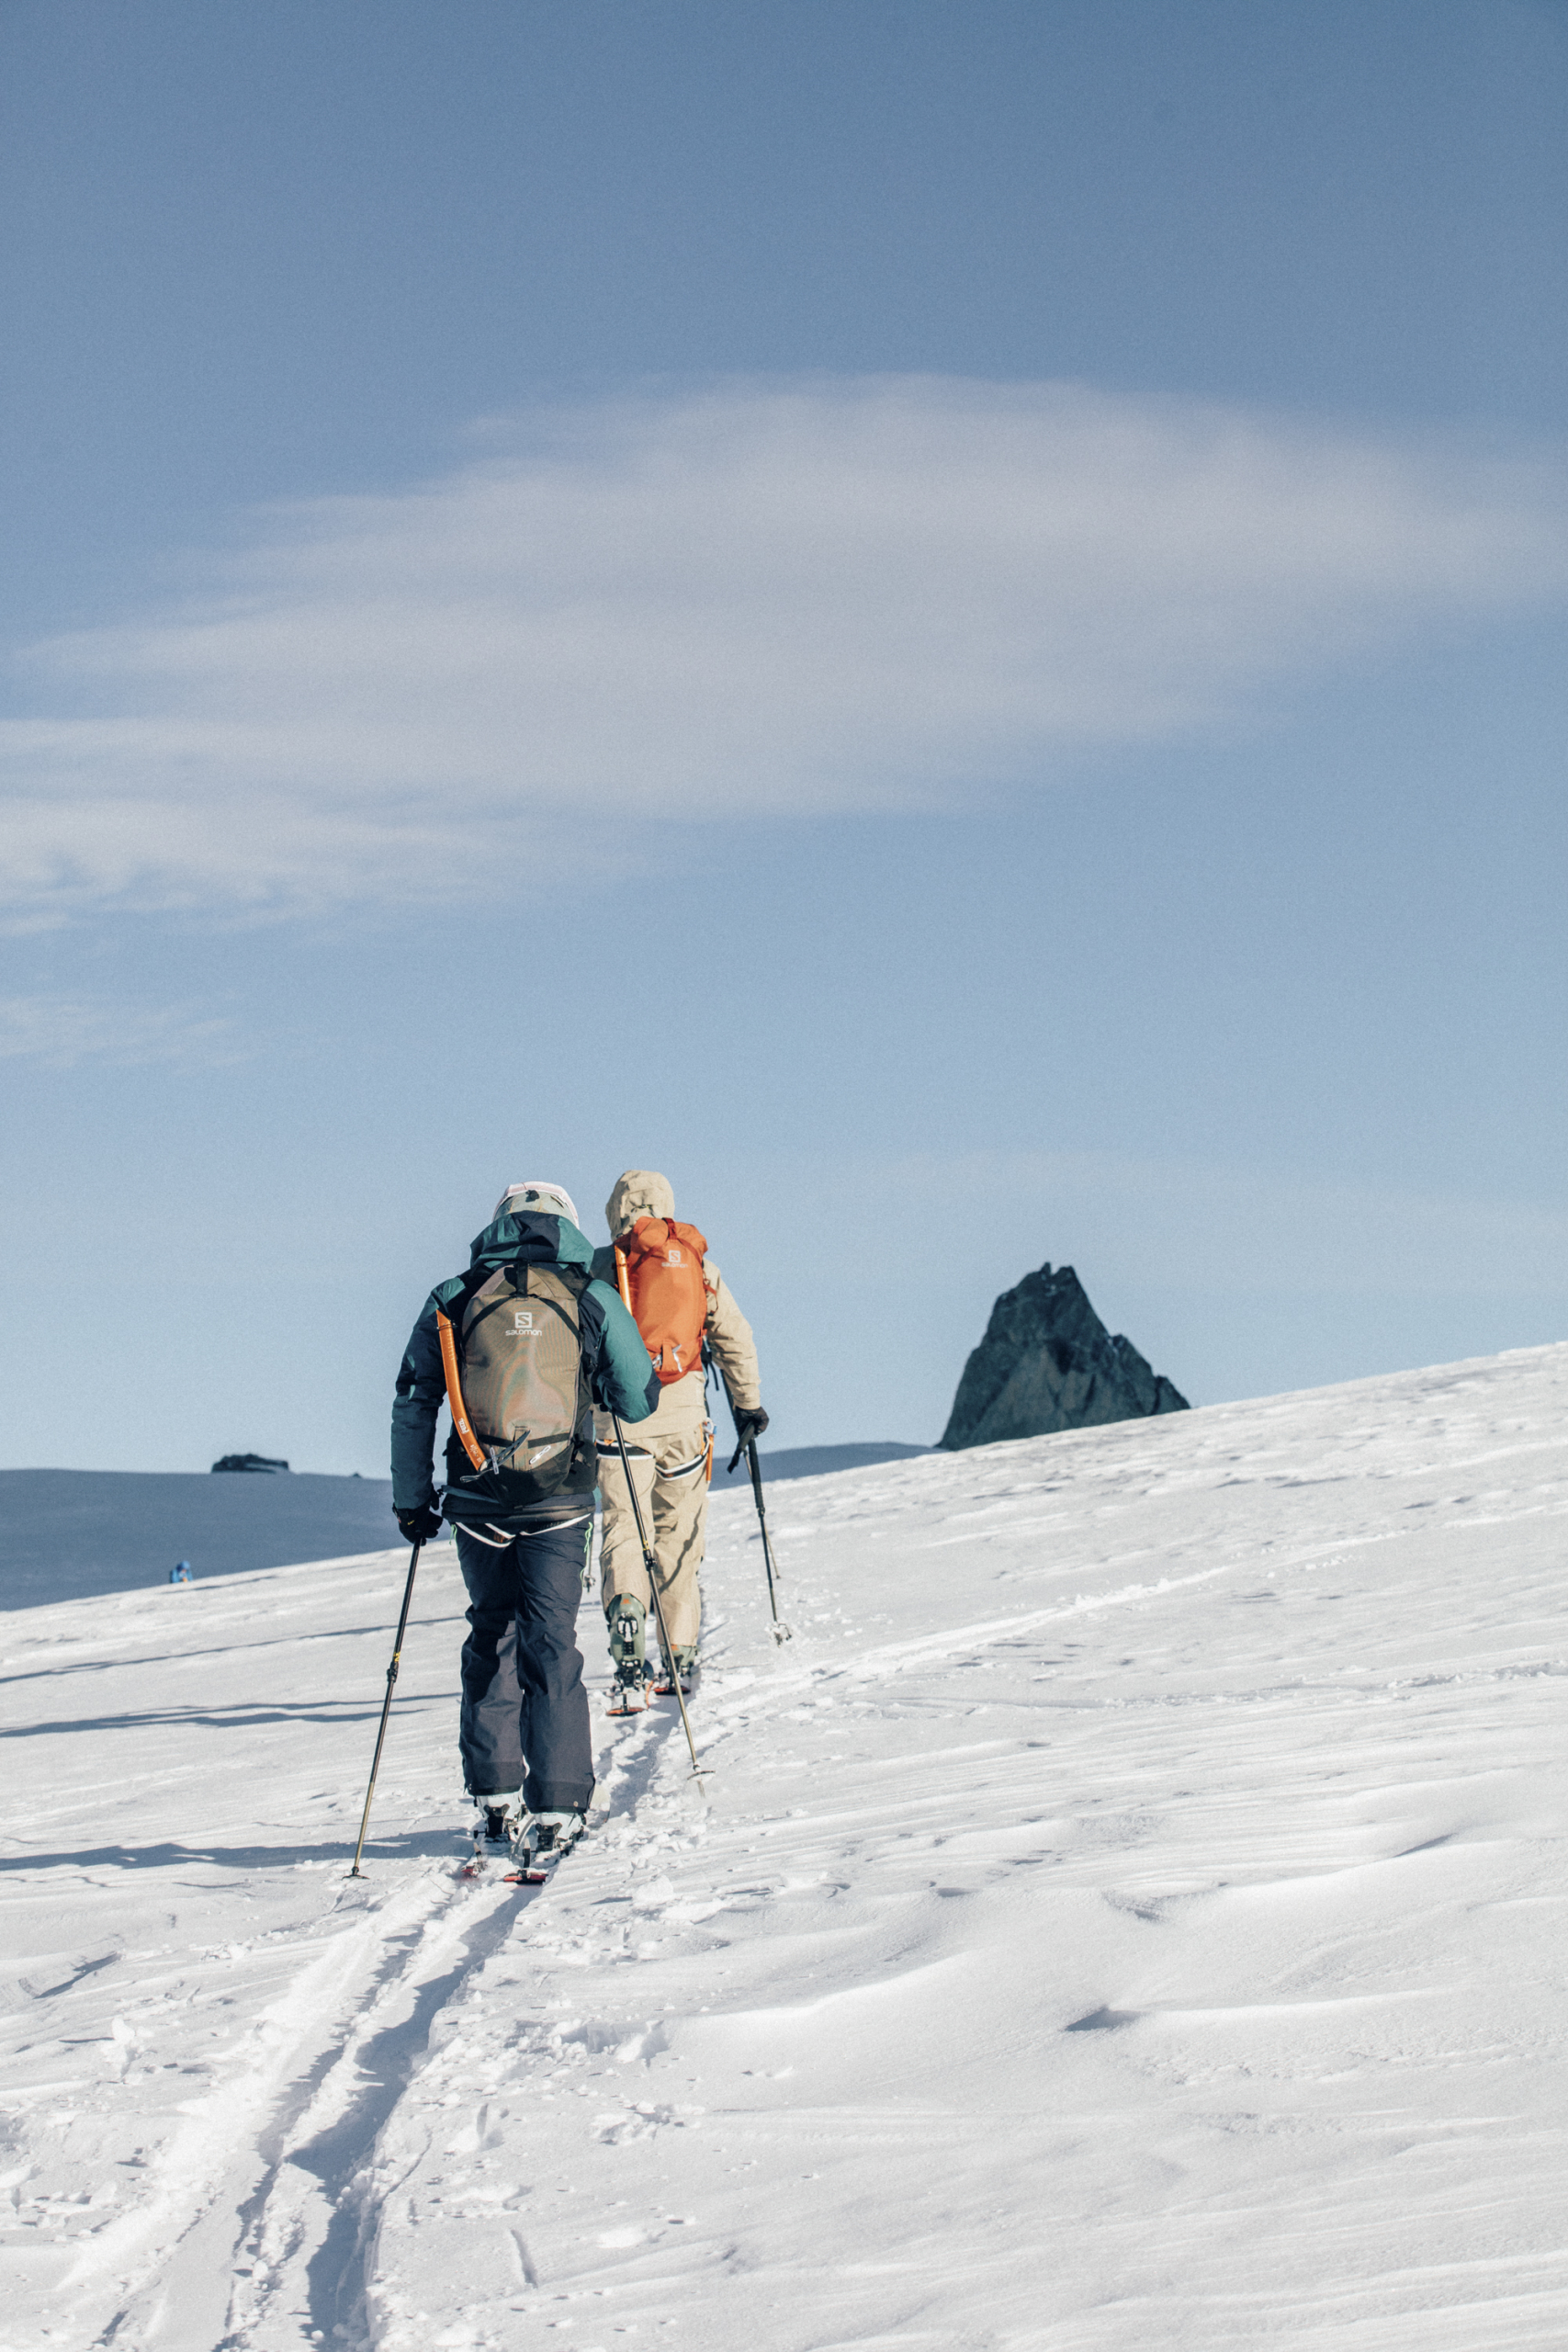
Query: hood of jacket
{"points": [[640, 1193], [539, 1241]]}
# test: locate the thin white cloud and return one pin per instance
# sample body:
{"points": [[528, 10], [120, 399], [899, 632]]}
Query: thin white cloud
{"points": [[61, 1031], [869, 595]]}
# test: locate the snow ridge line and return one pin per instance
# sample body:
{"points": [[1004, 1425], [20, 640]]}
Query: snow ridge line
{"points": [[891, 1657]]}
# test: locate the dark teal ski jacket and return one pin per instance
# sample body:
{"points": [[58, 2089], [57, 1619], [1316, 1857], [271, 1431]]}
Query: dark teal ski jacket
{"points": [[618, 1370]]}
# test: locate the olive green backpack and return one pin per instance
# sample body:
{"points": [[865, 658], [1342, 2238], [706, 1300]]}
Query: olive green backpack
{"points": [[512, 1350]]}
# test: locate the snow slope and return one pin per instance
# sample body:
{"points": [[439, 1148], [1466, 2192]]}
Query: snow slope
{"points": [[1129, 1914]]}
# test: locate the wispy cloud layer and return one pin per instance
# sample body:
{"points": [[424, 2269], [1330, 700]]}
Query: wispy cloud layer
{"points": [[61, 1031], [861, 596]]}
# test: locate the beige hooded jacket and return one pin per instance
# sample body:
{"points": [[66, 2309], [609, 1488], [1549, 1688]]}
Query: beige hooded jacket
{"points": [[641, 1192]]}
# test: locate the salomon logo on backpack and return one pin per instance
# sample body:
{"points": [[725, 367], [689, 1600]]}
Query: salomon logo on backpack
{"points": [[514, 1380], [659, 1265]]}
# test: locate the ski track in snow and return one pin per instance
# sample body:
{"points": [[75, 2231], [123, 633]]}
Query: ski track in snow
{"points": [[1129, 1914]]}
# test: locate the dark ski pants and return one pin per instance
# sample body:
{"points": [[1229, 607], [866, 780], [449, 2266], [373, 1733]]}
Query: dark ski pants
{"points": [[525, 1719]]}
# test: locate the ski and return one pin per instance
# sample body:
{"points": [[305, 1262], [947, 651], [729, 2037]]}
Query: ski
{"points": [[629, 1691], [478, 1863], [665, 1688]]}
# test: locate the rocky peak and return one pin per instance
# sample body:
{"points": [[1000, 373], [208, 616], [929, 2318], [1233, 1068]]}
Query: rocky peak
{"points": [[1048, 1362]]}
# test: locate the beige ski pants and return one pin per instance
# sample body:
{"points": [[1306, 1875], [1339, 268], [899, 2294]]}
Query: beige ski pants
{"points": [[668, 1467]]}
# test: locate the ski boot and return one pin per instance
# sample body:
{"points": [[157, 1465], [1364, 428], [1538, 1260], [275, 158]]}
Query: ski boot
{"points": [[624, 1617], [545, 1840], [497, 1823], [686, 1668]]}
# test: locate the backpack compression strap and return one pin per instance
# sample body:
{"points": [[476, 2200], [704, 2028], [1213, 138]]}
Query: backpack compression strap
{"points": [[471, 1445]]}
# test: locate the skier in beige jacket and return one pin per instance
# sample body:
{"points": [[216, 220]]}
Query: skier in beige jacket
{"points": [[672, 1456]]}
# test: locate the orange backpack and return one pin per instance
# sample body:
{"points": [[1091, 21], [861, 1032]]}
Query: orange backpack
{"points": [[659, 1265]]}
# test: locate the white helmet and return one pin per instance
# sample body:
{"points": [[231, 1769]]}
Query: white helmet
{"points": [[547, 1199]]}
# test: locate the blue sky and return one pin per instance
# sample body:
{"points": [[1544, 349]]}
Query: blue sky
{"points": [[945, 622]]}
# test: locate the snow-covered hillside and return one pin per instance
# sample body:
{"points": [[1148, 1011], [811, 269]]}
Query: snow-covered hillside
{"points": [[1129, 1915]]}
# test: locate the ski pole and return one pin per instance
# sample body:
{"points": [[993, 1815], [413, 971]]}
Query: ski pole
{"points": [[651, 1569], [387, 1707], [781, 1631]]}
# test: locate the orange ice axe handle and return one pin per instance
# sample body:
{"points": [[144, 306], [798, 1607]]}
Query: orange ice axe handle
{"points": [[471, 1445]]}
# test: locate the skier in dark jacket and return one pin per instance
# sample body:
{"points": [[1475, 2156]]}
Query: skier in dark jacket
{"points": [[521, 1469]]}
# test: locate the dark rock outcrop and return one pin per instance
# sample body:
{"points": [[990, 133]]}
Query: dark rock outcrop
{"points": [[250, 1461], [1048, 1362]]}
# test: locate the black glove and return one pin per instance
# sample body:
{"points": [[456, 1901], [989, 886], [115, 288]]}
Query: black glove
{"points": [[421, 1524], [750, 1422]]}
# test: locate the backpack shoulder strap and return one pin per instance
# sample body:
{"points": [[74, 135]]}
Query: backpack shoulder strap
{"points": [[473, 1282], [574, 1279]]}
